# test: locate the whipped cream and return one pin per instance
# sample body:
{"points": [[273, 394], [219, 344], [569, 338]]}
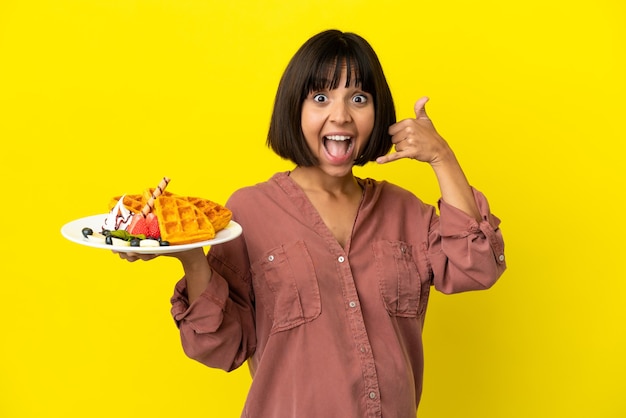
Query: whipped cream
{"points": [[118, 218]]}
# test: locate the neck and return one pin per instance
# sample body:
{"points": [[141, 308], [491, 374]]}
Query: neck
{"points": [[315, 180]]}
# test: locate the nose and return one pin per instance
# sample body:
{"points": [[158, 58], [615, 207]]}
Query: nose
{"points": [[340, 112]]}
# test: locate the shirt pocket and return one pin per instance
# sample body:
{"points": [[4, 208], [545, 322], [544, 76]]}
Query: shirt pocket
{"points": [[402, 291], [285, 283]]}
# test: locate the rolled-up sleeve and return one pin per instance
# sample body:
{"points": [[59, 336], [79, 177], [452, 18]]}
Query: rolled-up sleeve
{"points": [[217, 329], [207, 313], [466, 254]]}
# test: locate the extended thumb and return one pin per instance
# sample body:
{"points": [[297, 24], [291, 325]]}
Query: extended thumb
{"points": [[420, 108]]}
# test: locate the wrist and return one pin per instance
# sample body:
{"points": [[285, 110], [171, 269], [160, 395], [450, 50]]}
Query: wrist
{"points": [[192, 260], [444, 158]]}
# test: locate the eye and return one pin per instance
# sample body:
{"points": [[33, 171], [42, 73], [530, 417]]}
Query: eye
{"points": [[360, 98], [320, 98]]}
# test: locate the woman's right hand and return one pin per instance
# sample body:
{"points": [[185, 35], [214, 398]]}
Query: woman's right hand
{"points": [[185, 257], [132, 257]]}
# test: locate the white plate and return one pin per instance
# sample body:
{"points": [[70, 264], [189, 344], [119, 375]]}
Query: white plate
{"points": [[73, 231]]}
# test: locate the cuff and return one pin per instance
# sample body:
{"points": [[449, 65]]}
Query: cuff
{"points": [[206, 313]]}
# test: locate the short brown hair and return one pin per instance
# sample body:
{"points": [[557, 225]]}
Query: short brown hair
{"points": [[318, 64]]}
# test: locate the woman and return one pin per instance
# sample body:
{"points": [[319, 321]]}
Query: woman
{"points": [[325, 292]]}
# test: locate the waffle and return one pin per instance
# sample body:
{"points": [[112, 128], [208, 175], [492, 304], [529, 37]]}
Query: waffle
{"points": [[219, 215], [181, 222], [134, 202]]}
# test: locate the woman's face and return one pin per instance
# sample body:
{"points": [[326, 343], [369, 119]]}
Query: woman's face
{"points": [[337, 124]]}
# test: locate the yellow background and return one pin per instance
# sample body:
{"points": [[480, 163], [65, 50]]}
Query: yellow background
{"points": [[99, 98]]}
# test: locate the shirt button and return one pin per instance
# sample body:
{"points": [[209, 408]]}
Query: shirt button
{"points": [[352, 304], [341, 259], [372, 395], [270, 258], [501, 257]]}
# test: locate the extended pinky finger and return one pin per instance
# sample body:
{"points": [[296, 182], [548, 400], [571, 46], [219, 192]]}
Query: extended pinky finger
{"points": [[388, 158]]}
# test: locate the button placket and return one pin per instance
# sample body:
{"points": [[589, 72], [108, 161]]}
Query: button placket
{"points": [[359, 333]]}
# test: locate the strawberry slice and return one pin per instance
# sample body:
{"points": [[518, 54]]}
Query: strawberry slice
{"points": [[138, 225], [152, 224]]}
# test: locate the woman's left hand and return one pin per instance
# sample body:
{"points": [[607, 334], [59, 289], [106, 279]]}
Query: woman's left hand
{"points": [[416, 138]]}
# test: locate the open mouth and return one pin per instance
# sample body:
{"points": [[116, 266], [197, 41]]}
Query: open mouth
{"points": [[338, 146]]}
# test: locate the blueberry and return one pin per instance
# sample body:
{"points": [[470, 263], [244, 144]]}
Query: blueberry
{"points": [[87, 232], [108, 239], [135, 242], [164, 243]]}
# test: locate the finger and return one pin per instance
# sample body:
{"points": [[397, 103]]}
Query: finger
{"points": [[420, 113], [126, 256], [391, 157], [398, 138], [420, 108], [121, 254], [398, 127], [148, 257], [130, 258]]}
